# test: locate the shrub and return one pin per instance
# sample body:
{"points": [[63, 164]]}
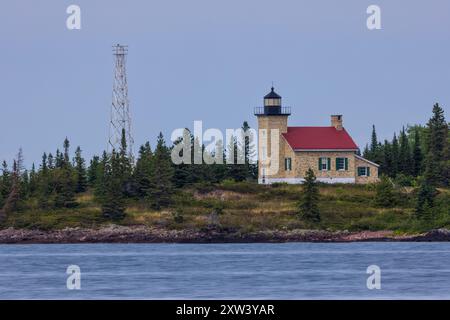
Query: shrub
{"points": [[385, 196]]}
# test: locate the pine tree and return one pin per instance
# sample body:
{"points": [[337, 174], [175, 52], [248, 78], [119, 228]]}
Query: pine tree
{"points": [[385, 196], [51, 161], [366, 152], [33, 184], [93, 171], [425, 200], [143, 171], [417, 155], [374, 140], [111, 195], [159, 193], [437, 148], [80, 169], [5, 186], [394, 156], [308, 206], [14, 199], [124, 166], [249, 151], [235, 161], [64, 181], [66, 157], [405, 159]]}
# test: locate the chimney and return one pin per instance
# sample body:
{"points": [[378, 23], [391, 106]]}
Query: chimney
{"points": [[336, 121]]}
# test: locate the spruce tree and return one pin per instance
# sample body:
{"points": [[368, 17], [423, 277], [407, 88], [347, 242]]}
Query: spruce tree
{"points": [[308, 206], [385, 196], [417, 155], [374, 140], [437, 148], [249, 151], [93, 171], [160, 190], [80, 170], [111, 196], [425, 200], [14, 200], [405, 159], [394, 156], [64, 181], [124, 169], [143, 171]]}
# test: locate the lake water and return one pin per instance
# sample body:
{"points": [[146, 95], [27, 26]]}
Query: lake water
{"points": [[226, 271]]}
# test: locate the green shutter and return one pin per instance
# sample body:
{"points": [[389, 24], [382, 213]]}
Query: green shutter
{"points": [[329, 164], [346, 164], [368, 171], [320, 164], [336, 164], [285, 164]]}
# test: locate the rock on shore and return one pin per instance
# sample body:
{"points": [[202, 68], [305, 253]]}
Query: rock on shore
{"points": [[143, 234]]}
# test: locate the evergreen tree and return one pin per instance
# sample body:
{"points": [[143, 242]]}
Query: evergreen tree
{"points": [[124, 166], [374, 141], [417, 155], [64, 181], [366, 152], [405, 159], [143, 171], [437, 148], [66, 157], [59, 160], [33, 184], [385, 196], [111, 195], [308, 206], [249, 151], [80, 169], [394, 156], [14, 199], [51, 161], [235, 161], [6, 181], [425, 200], [93, 171], [159, 193]]}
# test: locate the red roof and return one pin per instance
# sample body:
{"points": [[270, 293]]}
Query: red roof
{"points": [[319, 138]]}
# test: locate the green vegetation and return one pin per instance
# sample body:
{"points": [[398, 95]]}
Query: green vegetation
{"points": [[308, 206], [413, 194], [247, 207]]}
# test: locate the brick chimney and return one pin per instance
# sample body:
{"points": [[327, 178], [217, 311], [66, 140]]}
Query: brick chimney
{"points": [[336, 121]]}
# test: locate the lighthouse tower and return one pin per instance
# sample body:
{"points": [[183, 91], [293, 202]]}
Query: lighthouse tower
{"points": [[272, 117]]}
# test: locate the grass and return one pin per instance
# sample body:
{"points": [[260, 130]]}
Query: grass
{"points": [[249, 207]]}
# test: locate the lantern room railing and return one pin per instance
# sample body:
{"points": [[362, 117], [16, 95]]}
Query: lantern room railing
{"points": [[282, 111]]}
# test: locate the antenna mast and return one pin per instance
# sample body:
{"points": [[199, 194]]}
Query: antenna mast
{"points": [[120, 107]]}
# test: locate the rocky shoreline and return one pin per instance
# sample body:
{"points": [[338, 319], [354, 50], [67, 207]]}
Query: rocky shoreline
{"points": [[143, 234]]}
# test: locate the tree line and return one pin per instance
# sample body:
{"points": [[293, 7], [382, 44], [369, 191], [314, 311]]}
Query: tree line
{"points": [[115, 178], [419, 156]]}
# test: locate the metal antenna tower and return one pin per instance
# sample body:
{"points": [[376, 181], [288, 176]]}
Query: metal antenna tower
{"points": [[120, 107]]}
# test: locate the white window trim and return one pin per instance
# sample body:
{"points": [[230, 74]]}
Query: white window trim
{"points": [[324, 162], [365, 172], [343, 164]]}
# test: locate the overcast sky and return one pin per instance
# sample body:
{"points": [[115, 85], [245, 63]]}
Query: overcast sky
{"points": [[214, 60]]}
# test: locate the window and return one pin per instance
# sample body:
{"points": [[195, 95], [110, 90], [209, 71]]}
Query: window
{"points": [[324, 164], [341, 164], [287, 164], [363, 171]]}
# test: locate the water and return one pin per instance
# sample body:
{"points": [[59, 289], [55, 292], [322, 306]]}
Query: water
{"points": [[226, 271]]}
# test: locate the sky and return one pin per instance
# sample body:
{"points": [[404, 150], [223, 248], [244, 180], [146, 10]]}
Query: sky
{"points": [[214, 60]]}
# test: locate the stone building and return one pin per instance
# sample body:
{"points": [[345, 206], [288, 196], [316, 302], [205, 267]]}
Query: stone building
{"points": [[286, 153]]}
